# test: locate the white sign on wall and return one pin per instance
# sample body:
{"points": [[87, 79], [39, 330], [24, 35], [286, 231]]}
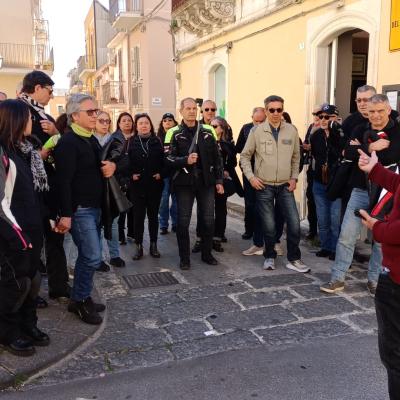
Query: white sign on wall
{"points": [[156, 101]]}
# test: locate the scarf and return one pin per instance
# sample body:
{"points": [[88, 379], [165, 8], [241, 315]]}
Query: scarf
{"points": [[37, 167], [34, 104], [81, 131]]}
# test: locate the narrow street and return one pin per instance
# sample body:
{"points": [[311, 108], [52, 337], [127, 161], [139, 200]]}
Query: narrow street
{"points": [[226, 332]]}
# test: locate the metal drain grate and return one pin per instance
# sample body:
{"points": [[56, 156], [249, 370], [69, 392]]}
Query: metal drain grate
{"points": [[152, 279]]}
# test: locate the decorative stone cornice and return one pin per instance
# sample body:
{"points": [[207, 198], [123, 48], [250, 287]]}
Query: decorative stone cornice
{"points": [[203, 16]]}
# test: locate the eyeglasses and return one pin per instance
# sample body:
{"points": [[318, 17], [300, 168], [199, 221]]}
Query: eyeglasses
{"points": [[50, 90], [104, 121], [326, 117], [91, 112], [210, 109], [363, 100], [275, 110], [215, 126]]}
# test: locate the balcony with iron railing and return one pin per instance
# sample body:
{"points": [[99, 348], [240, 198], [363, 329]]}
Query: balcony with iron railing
{"points": [[86, 66], [125, 14], [112, 94], [26, 56]]}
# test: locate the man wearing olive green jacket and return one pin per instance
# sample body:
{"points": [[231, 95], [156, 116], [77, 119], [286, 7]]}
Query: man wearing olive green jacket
{"points": [[275, 146]]}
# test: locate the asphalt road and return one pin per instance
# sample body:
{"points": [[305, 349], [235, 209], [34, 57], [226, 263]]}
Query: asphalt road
{"points": [[345, 368]]}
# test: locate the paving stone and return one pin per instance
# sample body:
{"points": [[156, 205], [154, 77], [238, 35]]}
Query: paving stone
{"points": [[322, 307], [359, 274], [188, 330], [127, 316], [199, 308], [214, 344], [264, 298], [145, 301], [268, 281], [365, 321], [310, 291], [133, 339], [213, 290], [5, 376], [365, 301], [248, 319], [355, 287], [322, 276], [295, 333], [134, 360]]}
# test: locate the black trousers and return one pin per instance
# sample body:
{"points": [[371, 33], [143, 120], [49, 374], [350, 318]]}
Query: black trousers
{"points": [[19, 287], [146, 204], [220, 215], [387, 305], [204, 196], [56, 261], [123, 219], [312, 210]]}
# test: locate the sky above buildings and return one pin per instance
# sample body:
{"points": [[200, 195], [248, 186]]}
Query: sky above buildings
{"points": [[67, 36]]}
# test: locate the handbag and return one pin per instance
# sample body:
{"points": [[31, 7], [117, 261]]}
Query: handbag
{"points": [[337, 183], [229, 187]]}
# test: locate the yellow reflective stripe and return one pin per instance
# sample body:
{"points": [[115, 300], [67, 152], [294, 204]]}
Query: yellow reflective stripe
{"points": [[210, 128], [170, 133]]}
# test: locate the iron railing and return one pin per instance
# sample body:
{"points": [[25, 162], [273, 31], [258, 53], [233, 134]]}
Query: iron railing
{"points": [[113, 93], [121, 6], [137, 94], [86, 62], [26, 56]]}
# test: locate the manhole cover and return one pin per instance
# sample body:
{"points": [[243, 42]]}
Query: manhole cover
{"points": [[152, 279]]}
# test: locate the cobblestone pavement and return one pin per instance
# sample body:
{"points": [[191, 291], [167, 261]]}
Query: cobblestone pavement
{"points": [[233, 306]]}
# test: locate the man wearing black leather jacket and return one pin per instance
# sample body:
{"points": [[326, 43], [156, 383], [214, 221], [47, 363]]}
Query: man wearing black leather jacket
{"points": [[197, 171]]}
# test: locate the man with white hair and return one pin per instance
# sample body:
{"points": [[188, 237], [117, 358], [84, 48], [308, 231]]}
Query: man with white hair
{"points": [[383, 136], [80, 190]]}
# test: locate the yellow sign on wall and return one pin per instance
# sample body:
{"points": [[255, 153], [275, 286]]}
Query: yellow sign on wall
{"points": [[395, 26]]}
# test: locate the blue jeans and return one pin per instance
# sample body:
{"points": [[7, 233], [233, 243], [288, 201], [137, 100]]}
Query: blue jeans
{"points": [[165, 210], [351, 228], [258, 237], [85, 231], [328, 214], [266, 199], [113, 244]]}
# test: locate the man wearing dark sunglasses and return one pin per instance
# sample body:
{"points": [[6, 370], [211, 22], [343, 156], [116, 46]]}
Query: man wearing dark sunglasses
{"points": [[37, 91], [275, 146], [208, 111]]}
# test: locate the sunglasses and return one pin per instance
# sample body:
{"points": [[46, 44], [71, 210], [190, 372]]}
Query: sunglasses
{"points": [[275, 110], [91, 112], [104, 121], [326, 117], [215, 126], [50, 90], [210, 109], [363, 100]]}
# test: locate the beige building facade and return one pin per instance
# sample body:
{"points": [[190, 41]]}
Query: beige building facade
{"points": [[307, 51], [24, 43], [133, 68]]}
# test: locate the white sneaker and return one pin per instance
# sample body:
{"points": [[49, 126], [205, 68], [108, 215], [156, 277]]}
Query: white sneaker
{"points": [[298, 266], [253, 251], [269, 264], [278, 249]]}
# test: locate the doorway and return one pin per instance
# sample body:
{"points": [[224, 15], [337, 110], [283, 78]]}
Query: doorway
{"points": [[348, 69]]}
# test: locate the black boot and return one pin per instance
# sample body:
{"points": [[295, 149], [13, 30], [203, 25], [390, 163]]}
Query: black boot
{"points": [[38, 337], [197, 247], [153, 250], [217, 246], [138, 252], [20, 347]]}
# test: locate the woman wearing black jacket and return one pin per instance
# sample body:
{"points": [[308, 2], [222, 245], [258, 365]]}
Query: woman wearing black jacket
{"points": [[22, 176], [228, 153], [146, 164]]}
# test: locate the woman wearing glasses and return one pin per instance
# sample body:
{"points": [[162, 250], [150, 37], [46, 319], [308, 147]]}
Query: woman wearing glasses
{"points": [[231, 180], [168, 121], [146, 164], [125, 128], [326, 150]]}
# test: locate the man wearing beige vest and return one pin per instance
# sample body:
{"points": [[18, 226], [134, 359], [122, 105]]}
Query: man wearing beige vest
{"points": [[275, 146]]}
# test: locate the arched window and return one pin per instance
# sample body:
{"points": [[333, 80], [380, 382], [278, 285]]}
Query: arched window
{"points": [[220, 89]]}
